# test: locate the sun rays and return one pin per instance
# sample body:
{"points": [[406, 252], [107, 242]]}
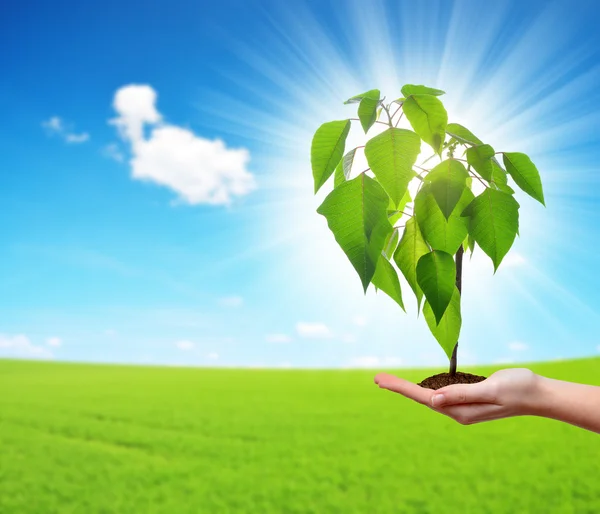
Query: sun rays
{"points": [[533, 90]]}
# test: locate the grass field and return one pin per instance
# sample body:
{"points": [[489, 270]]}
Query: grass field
{"points": [[110, 439]]}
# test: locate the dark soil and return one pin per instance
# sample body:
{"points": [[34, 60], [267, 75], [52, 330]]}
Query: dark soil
{"points": [[444, 379]]}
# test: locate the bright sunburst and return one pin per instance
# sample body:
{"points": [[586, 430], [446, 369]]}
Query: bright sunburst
{"points": [[521, 79]]}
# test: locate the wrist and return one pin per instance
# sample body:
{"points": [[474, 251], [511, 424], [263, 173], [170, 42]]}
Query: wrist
{"points": [[538, 401]]}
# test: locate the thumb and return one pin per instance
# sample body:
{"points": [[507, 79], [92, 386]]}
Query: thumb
{"points": [[462, 393]]}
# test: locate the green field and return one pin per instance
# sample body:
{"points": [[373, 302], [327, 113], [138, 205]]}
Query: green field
{"points": [[115, 439]]}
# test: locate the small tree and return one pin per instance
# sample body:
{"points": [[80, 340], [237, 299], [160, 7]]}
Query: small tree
{"points": [[369, 214]]}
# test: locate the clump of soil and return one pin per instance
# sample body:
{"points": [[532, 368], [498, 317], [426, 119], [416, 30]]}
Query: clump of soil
{"points": [[444, 379]]}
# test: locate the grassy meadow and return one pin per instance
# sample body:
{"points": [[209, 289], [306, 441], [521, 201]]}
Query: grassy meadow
{"points": [[78, 438]]}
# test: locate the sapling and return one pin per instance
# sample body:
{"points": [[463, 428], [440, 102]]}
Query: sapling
{"points": [[381, 228]]}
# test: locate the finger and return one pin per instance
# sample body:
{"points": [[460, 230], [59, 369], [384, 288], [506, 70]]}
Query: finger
{"points": [[480, 392], [473, 413], [404, 387]]}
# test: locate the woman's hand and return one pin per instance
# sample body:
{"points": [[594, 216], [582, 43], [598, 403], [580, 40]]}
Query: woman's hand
{"points": [[508, 392]]}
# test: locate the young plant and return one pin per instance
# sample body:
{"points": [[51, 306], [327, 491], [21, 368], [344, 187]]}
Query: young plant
{"points": [[380, 227]]}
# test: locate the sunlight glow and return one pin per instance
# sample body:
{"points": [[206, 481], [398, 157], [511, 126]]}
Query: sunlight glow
{"points": [[517, 101]]}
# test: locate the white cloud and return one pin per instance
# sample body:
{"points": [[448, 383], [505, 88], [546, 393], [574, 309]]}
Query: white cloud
{"points": [[112, 151], [199, 170], [517, 346], [598, 347], [213, 356], [371, 361], [348, 338], [313, 330], [278, 338], [185, 345], [231, 301], [434, 359], [20, 346], [110, 332], [77, 138], [54, 341], [360, 321], [504, 360], [56, 126]]}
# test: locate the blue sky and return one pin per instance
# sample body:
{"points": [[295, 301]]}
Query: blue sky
{"points": [[113, 250]]}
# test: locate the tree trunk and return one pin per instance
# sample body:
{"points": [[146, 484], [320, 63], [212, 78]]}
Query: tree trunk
{"points": [[459, 262]]}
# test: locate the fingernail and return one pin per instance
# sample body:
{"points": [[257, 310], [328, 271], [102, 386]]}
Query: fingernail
{"points": [[437, 400]]}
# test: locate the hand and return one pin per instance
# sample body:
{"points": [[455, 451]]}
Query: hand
{"points": [[508, 392]]}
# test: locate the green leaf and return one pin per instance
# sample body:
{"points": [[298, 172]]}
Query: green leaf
{"points": [[391, 243], [367, 110], [462, 134], [447, 330], [442, 234], [436, 275], [412, 89], [471, 244], [372, 93], [499, 178], [480, 158], [448, 181], [395, 211], [386, 279], [327, 149], [391, 156], [493, 223], [356, 213], [428, 118], [525, 174], [338, 176], [344, 168], [411, 248]]}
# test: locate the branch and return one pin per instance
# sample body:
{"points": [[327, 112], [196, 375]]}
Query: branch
{"points": [[387, 110], [376, 121], [421, 168], [477, 177]]}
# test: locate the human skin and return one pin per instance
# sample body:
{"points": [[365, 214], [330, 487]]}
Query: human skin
{"points": [[506, 393]]}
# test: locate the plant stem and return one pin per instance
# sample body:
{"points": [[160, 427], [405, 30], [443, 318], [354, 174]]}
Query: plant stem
{"points": [[387, 110], [459, 263]]}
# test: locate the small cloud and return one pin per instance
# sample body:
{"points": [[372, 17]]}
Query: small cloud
{"points": [[112, 151], [371, 361], [213, 356], [199, 170], [19, 346], [517, 346], [284, 365], [55, 126], [77, 138], [513, 260], [434, 359], [278, 338], [598, 347], [348, 338], [504, 360], [313, 330], [231, 301], [185, 345], [110, 332], [54, 341], [360, 321]]}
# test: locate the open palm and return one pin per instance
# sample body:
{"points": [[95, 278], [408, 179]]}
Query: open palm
{"points": [[503, 394]]}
